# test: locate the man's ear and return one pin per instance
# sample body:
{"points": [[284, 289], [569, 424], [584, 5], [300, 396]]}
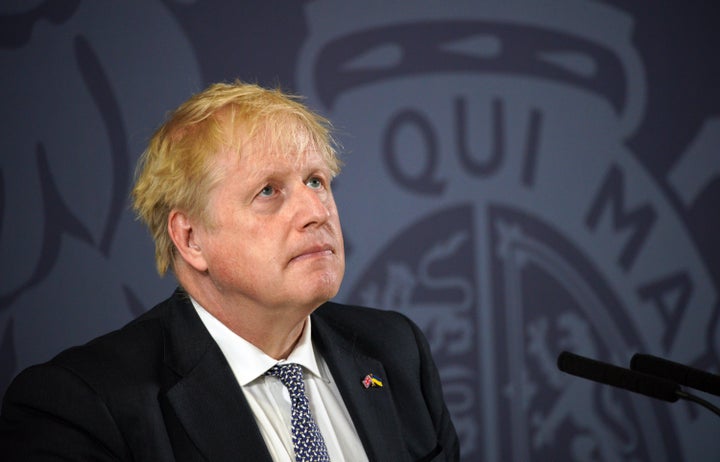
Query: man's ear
{"points": [[185, 237]]}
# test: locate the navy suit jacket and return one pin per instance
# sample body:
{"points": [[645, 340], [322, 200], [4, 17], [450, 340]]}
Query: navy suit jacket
{"points": [[160, 389]]}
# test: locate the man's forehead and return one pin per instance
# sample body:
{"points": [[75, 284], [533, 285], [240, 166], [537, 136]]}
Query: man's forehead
{"points": [[272, 144], [291, 158], [259, 159]]}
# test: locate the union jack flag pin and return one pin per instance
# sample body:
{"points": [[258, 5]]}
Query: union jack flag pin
{"points": [[372, 381]]}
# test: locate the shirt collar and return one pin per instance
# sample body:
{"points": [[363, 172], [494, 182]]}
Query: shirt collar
{"points": [[247, 361]]}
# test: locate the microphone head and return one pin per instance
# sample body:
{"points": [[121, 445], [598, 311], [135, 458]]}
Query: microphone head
{"points": [[620, 377]]}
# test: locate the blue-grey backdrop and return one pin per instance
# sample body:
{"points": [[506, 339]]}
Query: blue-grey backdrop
{"points": [[521, 178]]}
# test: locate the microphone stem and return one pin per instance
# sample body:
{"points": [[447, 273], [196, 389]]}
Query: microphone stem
{"points": [[696, 399]]}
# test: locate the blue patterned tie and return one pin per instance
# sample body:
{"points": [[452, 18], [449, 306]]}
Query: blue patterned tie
{"points": [[306, 437]]}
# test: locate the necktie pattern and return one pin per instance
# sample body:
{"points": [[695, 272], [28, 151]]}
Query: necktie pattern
{"points": [[306, 437]]}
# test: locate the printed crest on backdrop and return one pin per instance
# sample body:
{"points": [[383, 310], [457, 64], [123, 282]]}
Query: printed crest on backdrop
{"points": [[75, 118], [489, 194]]}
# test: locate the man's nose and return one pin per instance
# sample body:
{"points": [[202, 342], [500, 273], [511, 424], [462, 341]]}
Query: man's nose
{"points": [[311, 208]]}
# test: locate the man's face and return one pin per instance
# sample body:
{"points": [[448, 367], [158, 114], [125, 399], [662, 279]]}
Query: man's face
{"points": [[275, 239]]}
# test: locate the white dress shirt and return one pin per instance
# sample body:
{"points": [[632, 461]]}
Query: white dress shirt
{"points": [[269, 398]]}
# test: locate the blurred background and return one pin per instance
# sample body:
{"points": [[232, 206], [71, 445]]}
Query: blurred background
{"points": [[521, 178]]}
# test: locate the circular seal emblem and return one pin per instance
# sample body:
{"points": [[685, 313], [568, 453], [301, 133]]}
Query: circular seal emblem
{"points": [[490, 195]]}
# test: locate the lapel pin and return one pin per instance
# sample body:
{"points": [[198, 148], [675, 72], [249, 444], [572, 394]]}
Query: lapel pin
{"points": [[372, 381]]}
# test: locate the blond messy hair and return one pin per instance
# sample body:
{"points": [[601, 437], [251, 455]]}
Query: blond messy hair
{"points": [[176, 170]]}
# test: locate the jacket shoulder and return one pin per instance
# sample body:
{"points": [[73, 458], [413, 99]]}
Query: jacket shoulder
{"points": [[363, 319], [132, 353], [376, 332]]}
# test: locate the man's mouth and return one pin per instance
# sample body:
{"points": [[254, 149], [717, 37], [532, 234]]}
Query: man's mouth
{"points": [[316, 251]]}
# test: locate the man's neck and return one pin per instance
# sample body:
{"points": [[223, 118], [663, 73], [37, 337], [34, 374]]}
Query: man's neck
{"points": [[275, 330]]}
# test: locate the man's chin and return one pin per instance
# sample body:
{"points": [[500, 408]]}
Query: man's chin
{"points": [[323, 290]]}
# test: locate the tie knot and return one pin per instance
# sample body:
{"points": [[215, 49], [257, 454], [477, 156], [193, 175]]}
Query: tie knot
{"points": [[290, 374]]}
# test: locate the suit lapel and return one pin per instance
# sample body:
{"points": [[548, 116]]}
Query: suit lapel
{"points": [[207, 399], [371, 409]]}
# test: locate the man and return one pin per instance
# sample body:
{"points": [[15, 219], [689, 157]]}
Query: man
{"points": [[247, 360]]}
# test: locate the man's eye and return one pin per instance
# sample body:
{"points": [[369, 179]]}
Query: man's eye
{"points": [[267, 191], [314, 183]]}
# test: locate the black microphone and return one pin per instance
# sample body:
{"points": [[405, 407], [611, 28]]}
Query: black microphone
{"points": [[638, 382], [679, 373]]}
